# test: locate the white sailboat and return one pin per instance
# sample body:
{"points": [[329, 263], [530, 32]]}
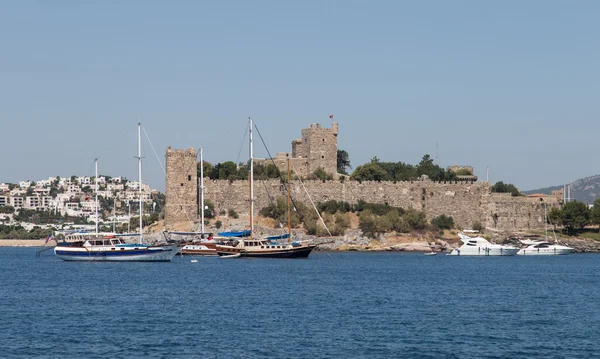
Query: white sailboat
{"points": [[82, 246]]}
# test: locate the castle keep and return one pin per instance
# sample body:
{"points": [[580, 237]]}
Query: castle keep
{"points": [[182, 186], [317, 148], [466, 202]]}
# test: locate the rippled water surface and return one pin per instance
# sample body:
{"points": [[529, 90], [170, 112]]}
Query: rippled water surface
{"points": [[337, 305]]}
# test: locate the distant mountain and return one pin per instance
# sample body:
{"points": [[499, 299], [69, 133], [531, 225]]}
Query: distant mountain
{"points": [[585, 190]]}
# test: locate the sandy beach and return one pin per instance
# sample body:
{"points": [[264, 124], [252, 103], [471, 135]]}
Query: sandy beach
{"points": [[23, 242]]}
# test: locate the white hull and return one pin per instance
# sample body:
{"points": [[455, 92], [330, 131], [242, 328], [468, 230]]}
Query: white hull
{"points": [[117, 254], [544, 251], [484, 251]]}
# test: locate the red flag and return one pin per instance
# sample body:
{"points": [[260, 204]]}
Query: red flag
{"points": [[330, 116]]}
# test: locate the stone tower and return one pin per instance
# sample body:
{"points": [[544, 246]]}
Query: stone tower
{"points": [[182, 188], [319, 146]]}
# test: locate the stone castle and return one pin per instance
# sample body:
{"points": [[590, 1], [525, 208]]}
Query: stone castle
{"points": [[317, 148], [466, 201]]}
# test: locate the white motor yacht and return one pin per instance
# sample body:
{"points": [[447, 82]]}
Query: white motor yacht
{"points": [[479, 246], [543, 248]]}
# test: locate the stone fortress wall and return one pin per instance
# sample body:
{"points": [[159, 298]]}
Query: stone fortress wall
{"points": [[466, 202]]}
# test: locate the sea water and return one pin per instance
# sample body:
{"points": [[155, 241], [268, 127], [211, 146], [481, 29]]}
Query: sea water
{"points": [[331, 305]]}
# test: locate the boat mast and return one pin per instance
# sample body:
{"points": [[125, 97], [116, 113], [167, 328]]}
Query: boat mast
{"points": [[202, 189], [140, 175], [289, 202], [114, 216], [546, 220], [96, 162], [251, 183]]}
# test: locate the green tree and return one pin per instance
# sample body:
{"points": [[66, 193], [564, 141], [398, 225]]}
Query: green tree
{"points": [[555, 216], [595, 213], [367, 223], [322, 175], [443, 222], [370, 172], [7, 209], [225, 170], [416, 219], [575, 216], [208, 169], [343, 162], [501, 187], [209, 211], [477, 226]]}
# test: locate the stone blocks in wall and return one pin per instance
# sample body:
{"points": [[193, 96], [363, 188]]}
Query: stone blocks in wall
{"points": [[182, 187]]}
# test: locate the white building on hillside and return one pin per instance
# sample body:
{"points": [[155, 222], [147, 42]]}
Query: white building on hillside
{"points": [[84, 180], [74, 189], [43, 191], [115, 187], [17, 202], [4, 187], [25, 184]]}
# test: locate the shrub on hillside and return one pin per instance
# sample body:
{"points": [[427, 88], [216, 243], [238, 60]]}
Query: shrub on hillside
{"points": [[232, 213], [416, 219], [443, 222], [477, 226], [333, 206]]}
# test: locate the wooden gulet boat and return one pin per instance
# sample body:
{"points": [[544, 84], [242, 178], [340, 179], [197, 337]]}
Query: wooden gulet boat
{"points": [[264, 248]]}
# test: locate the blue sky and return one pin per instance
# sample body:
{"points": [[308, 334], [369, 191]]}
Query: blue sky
{"points": [[509, 85]]}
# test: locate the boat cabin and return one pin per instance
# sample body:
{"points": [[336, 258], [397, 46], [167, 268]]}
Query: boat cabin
{"points": [[105, 242]]}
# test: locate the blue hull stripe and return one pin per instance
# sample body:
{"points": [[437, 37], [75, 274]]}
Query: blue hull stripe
{"points": [[108, 253]]}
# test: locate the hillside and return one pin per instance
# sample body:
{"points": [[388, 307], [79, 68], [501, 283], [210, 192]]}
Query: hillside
{"points": [[585, 189]]}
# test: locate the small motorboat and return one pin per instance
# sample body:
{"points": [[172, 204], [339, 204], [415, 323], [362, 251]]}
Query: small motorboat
{"points": [[231, 256], [431, 254]]}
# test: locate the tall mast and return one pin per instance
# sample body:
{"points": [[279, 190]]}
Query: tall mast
{"points": [[202, 189], [546, 220], [140, 175], [289, 184], [251, 183], [114, 216], [96, 161]]}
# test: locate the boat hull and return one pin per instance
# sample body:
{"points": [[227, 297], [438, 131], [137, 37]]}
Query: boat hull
{"points": [[484, 251], [116, 254], [296, 252], [199, 249], [544, 251]]}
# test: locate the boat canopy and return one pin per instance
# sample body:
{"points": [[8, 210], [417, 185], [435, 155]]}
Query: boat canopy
{"points": [[279, 236], [245, 233], [189, 233]]}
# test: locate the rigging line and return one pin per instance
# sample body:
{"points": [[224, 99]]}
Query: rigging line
{"points": [[241, 145], [313, 204], [554, 233], [119, 140], [285, 185], [271, 202], [165, 173]]}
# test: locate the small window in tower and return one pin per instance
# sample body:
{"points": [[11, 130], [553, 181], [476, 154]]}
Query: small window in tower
{"points": [[182, 185], [323, 140], [322, 156], [189, 177]]}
